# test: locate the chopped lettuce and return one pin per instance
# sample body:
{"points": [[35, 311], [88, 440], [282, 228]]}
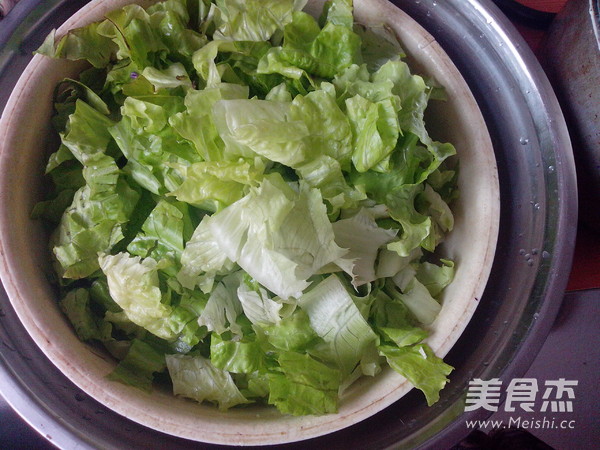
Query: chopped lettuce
{"points": [[303, 385], [139, 365], [363, 238], [421, 367], [252, 20], [197, 378], [133, 284], [279, 236], [246, 200], [338, 321]]}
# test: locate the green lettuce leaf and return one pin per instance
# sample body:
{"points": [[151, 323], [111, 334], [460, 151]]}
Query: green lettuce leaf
{"points": [[214, 185], [164, 232], [328, 127], [136, 34], [325, 173], [292, 333], [262, 127], [223, 307], [94, 221], [338, 12], [363, 238], [151, 156], [337, 320], [436, 277], [258, 307], [76, 305], [280, 237], [139, 365], [235, 356], [418, 299], [311, 50], [80, 44], [304, 386], [419, 365], [375, 131], [202, 259], [196, 123], [134, 285], [170, 78], [253, 20], [416, 227], [196, 378], [86, 134]]}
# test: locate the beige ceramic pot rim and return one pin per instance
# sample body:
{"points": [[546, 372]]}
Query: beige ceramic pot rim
{"points": [[24, 145]]}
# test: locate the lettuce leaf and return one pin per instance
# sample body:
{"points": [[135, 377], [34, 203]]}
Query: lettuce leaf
{"points": [[236, 356], [292, 333], [202, 259], [258, 307], [134, 285], [76, 305], [139, 365], [196, 123], [280, 237], [303, 385], [81, 43], [419, 365], [337, 320], [363, 238], [197, 378], [164, 232], [252, 20], [223, 307], [94, 221], [311, 50], [214, 185]]}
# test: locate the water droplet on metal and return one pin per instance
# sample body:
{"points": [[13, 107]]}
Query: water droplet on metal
{"points": [[551, 169], [534, 251], [522, 252], [535, 316], [524, 141], [545, 254], [530, 262]]}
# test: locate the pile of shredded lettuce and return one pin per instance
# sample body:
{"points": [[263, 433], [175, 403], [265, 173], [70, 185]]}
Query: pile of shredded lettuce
{"points": [[245, 202]]}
